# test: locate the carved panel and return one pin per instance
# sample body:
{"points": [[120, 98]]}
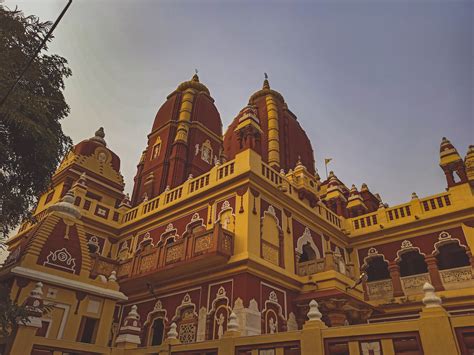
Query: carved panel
{"points": [[455, 276], [380, 289], [174, 253], [148, 262], [124, 269], [203, 243], [414, 284], [270, 253]]}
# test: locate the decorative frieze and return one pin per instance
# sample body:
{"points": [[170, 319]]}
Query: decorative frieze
{"points": [[380, 289]]}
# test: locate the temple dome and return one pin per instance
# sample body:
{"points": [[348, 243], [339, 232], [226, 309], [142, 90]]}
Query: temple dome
{"points": [[203, 107], [277, 136], [93, 156]]}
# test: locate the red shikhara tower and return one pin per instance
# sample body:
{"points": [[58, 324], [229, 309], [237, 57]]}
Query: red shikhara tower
{"points": [[185, 140], [232, 244], [271, 129]]}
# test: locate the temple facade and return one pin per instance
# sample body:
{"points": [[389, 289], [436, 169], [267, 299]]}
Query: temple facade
{"points": [[232, 244]]}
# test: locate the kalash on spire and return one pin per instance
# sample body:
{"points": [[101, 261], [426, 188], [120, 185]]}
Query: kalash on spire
{"points": [[232, 244]]}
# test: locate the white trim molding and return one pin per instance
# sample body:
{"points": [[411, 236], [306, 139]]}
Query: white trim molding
{"points": [[68, 283]]}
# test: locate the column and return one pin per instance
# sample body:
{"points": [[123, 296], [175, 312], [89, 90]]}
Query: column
{"points": [[435, 277], [394, 270]]}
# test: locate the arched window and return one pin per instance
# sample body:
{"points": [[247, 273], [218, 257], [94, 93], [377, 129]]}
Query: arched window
{"points": [[412, 263], [377, 269], [451, 256], [157, 331], [308, 253]]}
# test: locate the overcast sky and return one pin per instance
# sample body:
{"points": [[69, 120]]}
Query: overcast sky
{"points": [[375, 84]]}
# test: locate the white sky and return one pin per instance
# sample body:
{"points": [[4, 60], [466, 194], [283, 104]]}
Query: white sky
{"points": [[375, 84]]}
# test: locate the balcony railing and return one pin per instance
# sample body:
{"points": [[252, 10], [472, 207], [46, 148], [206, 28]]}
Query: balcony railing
{"points": [[382, 289], [460, 277], [412, 211], [329, 262], [414, 283], [216, 242]]}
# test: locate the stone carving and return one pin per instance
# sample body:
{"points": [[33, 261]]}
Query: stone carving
{"points": [[444, 235], [202, 243], [460, 274], [380, 289], [148, 262], [291, 323], [174, 253], [314, 313], [372, 251], [225, 205], [273, 297], [62, 259], [372, 348], [201, 330], [414, 284], [430, 300], [187, 333], [406, 244], [271, 211], [233, 325], [172, 333], [270, 253]]}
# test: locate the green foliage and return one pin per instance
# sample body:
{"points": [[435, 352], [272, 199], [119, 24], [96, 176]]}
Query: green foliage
{"points": [[10, 313], [32, 142]]}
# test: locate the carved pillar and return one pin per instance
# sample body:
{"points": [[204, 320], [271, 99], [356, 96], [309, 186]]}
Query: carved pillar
{"points": [[394, 270], [471, 260], [435, 277], [329, 260], [449, 176]]}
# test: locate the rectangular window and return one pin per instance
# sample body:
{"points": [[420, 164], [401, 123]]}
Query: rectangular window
{"points": [[88, 330]]}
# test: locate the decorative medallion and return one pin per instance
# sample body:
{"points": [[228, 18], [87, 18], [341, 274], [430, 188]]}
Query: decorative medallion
{"points": [[444, 235], [225, 205], [406, 244], [62, 259], [273, 297], [372, 251]]}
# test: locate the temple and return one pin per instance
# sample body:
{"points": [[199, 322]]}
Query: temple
{"points": [[231, 243]]}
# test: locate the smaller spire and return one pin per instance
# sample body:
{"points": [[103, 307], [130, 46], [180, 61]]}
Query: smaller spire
{"points": [[99, 137], [447, 153], [364, 187]]}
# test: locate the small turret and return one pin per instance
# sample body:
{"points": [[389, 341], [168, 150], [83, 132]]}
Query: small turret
{"points": [[355, 204], [451, 163], [469, 164]]}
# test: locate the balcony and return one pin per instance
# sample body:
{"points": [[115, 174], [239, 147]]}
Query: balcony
{"points": [[329, 262], [201, 250]]}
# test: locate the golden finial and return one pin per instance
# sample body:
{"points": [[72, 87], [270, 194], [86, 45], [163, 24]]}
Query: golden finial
{"points": [[195, 76], [266, 84]]}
